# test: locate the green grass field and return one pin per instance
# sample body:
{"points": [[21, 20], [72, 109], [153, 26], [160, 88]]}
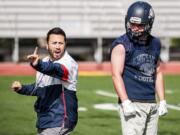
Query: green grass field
{"points": [[18, 117]]}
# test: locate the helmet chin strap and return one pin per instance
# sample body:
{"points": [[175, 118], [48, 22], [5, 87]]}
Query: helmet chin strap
{"points": [[140, 38]]}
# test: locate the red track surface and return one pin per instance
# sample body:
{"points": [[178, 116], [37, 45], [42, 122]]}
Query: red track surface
{"points": [[85, 68]]}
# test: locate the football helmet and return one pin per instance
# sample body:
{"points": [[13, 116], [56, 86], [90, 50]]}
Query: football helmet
{"points": [[139, 13]]}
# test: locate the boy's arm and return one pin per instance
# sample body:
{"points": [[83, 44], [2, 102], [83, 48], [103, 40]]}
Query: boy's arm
{"points": [[117, 67], [160, 91]]}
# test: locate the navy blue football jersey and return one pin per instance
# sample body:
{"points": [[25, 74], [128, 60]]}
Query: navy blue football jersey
{"points": [[140, 67]]}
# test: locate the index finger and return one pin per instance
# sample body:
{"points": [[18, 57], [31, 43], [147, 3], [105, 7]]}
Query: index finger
{"points": [[35, 50]]}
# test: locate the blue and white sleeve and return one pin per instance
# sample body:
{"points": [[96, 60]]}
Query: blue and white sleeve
{"points": [[29, 90], [52, 69]]}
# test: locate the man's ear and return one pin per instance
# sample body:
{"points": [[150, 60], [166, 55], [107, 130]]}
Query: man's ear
{"points": [[47, 47]]}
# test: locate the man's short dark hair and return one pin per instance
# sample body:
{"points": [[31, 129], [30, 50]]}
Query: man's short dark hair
{"points": [[57, 31]]}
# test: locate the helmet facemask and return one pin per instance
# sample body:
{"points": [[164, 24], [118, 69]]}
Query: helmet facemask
{"points": [[138, 36]]}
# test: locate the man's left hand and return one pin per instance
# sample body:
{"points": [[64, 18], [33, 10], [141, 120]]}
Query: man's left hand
{"points": [[162, 108]]}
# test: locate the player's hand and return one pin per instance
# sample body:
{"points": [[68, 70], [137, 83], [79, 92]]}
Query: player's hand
{"points": [[34, 58], [162, 108], [128, 108], [16, 86]]}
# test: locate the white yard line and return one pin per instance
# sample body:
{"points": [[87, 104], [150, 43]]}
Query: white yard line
{"points": [[111, 106], [168, 91], [173, 107], [106, 106], [82, 109], [108, 94]]}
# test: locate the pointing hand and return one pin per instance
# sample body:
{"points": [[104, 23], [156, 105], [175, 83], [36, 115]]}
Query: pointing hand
{"points": [[33, 58]]}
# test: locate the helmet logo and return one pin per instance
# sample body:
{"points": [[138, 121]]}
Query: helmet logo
{"points": [[136, 20], [151, 13]]}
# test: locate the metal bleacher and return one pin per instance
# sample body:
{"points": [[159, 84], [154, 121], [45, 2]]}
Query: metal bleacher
{"points": [[97, 19], [81, 18], [167, 23]]}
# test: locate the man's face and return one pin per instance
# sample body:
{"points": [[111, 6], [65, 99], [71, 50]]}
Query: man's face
{"points": [[56, 46]]}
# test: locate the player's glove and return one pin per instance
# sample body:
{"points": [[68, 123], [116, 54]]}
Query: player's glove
{"points": [[128, 108], [162, 108]]}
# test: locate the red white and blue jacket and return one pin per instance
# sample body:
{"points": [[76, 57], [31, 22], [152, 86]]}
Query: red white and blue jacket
{"points": [[55, 88]]}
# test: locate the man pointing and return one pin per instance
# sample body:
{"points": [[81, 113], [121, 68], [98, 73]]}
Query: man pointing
{"points": [[55, 87]]}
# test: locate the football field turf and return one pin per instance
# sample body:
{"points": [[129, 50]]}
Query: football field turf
{"points": [[18, 117]]}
